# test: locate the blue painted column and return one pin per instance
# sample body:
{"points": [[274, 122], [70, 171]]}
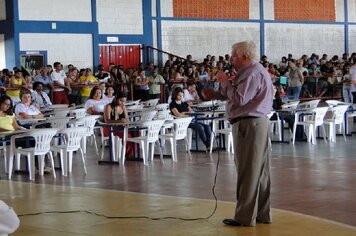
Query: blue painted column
{"points": [[147, 29], [159, 32], [95, 35], [346, 27], [262, 30], [12, 57]]}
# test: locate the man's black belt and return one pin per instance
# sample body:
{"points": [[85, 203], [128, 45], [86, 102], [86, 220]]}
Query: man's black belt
{"points": [[237, 119]]}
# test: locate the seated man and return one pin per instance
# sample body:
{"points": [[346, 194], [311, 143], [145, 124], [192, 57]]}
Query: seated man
{"points": [[39, 97]]}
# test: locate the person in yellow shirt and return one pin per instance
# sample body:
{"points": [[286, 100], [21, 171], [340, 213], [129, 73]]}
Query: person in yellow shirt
{"points": [[16, 83], [7, 117], [88, 80]]}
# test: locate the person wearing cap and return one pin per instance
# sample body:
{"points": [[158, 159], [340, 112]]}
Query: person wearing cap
{"points": [[155, 81]]}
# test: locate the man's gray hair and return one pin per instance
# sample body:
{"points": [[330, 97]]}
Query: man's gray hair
{"points": [[246, 48]]}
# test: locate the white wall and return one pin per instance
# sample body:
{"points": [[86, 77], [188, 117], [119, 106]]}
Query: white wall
{"points": [[298, 39], [167, 8], [352, 38], [154, 36], [64, 10], [351, 4], [339, 10], [120, 17], [254, 13], [76, 49], [154, 8], [268, 9], [2, 52], [2, 10], [202, 38]]}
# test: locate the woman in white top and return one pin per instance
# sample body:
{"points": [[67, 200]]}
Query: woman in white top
{"points": [[25, 109], [109, 94], [95, 105]]}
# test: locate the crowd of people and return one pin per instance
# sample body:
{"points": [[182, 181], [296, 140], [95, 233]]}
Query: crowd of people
{"points": [[294, 79]]}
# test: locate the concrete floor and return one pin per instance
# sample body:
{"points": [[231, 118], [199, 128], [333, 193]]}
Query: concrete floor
{"points": [[314, 180]]}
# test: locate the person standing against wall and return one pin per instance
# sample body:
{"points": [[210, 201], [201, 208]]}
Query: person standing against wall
{"points": [[155, 81], [59, 79], [353, 78], [249, 100]]}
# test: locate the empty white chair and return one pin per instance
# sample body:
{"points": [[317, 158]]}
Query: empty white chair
{"points": [[151, 102], [146, 115], [309, 104], [178, 132], [130, 103], [72, 143], [78, 113], [88, 122], [226, 130], [58, 106], [338, 118], [149, 137], [42, 138], [138, 107], [275, 124], [332, 103], [60, 113], [3, 149], [292, 105], [316, 119], [162, 106]]}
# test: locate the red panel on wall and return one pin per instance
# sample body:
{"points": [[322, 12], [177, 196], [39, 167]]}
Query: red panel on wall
{"points": [[304, 10], [212, 9], [127, 55]]}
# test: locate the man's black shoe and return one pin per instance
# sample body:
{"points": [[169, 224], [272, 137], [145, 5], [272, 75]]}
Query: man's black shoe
{"points": [[232, 222]]}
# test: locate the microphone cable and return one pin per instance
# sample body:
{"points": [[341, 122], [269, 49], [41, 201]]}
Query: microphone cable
{"points": [[144, 216]]}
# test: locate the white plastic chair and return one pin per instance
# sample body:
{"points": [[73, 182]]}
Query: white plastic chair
{"points": [[3, 148], [316, 119], [332, 103], [146, 115], [338, 118], [226, 131], [309, 104], [178, 132], [78, 113], [88, 122], [275, 124], [150, 137], [292, 105], [43, 138], [72, 143], [135, 107], [60, 113], [130, 103], [151, 102], [162, 106], [58, 106]]}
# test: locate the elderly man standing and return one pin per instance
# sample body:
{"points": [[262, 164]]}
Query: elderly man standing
{"points": [[249, 100]]}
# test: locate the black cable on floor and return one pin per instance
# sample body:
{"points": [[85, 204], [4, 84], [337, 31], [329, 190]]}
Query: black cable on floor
{"points": [[143, 217]]}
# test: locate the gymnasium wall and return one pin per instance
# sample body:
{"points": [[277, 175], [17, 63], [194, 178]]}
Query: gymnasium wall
{"points": [[73, 49]]}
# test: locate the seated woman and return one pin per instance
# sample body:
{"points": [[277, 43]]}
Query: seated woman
{"points": [[7, 117], [180, 108], [39, 97], [116, 112], [191, 95], [278, 105], [109, 94], [95, 105], [26, 110]]}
